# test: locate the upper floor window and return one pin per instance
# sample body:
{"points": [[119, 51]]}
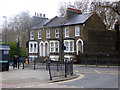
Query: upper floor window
{"points": [[39, 34], [66, 32], [77, 31], [31, 35], [57, 33], [48, 34]]}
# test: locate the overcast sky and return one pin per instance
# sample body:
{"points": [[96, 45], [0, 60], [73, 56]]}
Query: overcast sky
{"points": [[9, 8], [12, 7]]}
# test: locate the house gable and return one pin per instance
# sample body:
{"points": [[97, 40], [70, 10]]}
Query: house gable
{"points": [[95, 22]]}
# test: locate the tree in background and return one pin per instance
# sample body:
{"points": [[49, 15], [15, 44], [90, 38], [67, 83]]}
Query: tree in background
{"points": [[82, 5], [107, 15], [18, 26]]}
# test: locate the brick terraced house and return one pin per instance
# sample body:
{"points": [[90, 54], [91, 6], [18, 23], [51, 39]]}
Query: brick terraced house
{"points": [[79, 32]]}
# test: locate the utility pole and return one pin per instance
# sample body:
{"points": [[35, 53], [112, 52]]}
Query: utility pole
{"points": [[5, 26]]}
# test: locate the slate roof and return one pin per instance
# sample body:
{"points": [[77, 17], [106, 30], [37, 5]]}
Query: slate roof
{"points": [[60, 21], [55, 22], [77, 19], [39, 25]]}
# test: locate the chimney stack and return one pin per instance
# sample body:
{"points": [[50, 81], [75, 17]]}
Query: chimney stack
{"points": [[71, 12]]}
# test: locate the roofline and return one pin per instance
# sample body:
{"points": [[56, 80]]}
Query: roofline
{"points": [[72, 24], [50, 20]]}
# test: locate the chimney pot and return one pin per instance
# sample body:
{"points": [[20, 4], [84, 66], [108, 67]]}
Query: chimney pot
{"points": [[43, 15], [37, 14], [40, 14]]}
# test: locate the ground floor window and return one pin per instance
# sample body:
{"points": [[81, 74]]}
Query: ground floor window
{"points": [[69, 44], [54, 46], [33, 48]]}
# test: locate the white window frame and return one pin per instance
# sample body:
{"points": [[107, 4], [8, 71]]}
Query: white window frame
{"points": [[48, 34], [31, 35], [33, 49], [77, 33], [66, 33], [57, 33], [41, 48], [69, 45], [54, 46], [39, 34]]}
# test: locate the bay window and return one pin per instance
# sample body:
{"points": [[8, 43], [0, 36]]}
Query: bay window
{"points": [[54, 46], [69, 44]]}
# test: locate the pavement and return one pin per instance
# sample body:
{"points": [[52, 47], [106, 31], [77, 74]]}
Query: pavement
{"points": [[19, 78]]}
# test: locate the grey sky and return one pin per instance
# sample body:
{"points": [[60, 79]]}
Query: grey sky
{"points": [[49, 7]]}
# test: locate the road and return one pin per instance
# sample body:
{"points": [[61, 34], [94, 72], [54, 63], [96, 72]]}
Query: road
{"points": [[89, 77], [94, 78]]}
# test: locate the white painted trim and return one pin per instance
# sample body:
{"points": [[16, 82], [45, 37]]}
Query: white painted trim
{"points": [[68, 56], [40, 54], [4, 48], [41, 34], [54, 57], [33, 35], [46, 42], [75, 30], [69, 45], [77, 45], [65, 31], [58, 33], [47, 33], [54, 45], [33, 42]]}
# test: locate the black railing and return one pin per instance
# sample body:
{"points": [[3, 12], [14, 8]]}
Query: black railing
{"points": [[38, 63], [59, 68], [99, 59]]}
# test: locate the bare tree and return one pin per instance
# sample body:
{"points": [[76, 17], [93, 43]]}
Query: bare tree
{"points": [[82, 5], [107, 14], [18, 27]]}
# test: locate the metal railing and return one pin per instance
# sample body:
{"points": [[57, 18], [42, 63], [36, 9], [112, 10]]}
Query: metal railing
{"points": [[38, 63], [99, 59], [59, 68]]}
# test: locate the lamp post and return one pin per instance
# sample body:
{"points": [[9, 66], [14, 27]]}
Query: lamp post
{"points": [[18, 46], [5, 26]]}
